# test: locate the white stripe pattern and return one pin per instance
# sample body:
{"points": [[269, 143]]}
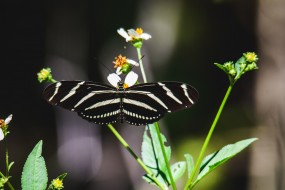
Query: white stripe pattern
{"points": [[91, 94], [184, 87], [104, 103], [138, 103], [149, 94], [55, 91], [72, 91], [169, 93]]}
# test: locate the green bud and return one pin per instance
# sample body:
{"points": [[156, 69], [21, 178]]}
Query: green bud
{"points": [[251, 66], [126, 68], [229, 65], [233, 72], [137, 43], [45, 75]]}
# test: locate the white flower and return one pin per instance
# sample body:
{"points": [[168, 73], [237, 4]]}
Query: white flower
{"points": [[123, 64], [8, 119], [124, 34], [130, 79], [1, 134], [3, 124], [130, 61], [133, 34]]}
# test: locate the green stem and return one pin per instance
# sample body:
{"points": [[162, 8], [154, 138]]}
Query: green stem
{"points": [[52, 80], [141, 65], [7, 161], [207, 140], [10, 185], [140, 162], [7, 166], [165, 157], [157, 127]]}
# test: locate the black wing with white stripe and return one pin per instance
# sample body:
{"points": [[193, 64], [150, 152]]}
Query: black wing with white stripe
{"points": [[94, 102], [138, 105], [148, 102]]}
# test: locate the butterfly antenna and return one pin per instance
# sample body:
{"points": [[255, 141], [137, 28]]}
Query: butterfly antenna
{"points": [[141, 57]]}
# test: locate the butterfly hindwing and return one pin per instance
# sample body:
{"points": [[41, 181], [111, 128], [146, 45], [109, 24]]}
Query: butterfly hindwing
{"points": [[140, 110]]}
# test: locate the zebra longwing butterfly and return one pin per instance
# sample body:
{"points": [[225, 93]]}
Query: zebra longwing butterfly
{"points": [[137, 105]]}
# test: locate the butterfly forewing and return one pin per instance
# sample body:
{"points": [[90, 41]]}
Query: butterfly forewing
{"points": [[94, 102], [169, 96]]}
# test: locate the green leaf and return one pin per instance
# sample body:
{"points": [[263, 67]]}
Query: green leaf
{"points": [[152, 155], [240, 66], [222, 67], [10, 166], [178, 169], [190, 164], [216, 159], [34, 175], [62, 176]]}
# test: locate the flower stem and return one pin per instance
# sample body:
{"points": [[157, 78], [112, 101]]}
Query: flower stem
{"points": [[157, 126], [7, 167], [7, 162], [140, 162], [141, 65], [10, 185], [165, 157], [189, 183], [53, 80]]}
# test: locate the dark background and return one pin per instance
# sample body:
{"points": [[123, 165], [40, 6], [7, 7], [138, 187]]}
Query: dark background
{"points": [[207, 32]]}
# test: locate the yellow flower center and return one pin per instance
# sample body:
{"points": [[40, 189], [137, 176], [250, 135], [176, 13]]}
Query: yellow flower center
{"points": [[139, 31], [251, 57], [125, 86], [57, 183], [120, 61], [2, 123]]}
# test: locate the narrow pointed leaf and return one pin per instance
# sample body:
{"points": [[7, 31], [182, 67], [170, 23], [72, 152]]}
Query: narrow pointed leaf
{"points": [[221, 66], [34, 175], [216, 159], [10, 165]]}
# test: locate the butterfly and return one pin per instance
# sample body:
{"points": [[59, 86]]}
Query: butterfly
{"points": [[139, 104]]}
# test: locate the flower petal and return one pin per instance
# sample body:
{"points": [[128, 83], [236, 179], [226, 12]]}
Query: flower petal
{"points": [[132, 33], [124, 34], [114, 79], [8, 119], [145, 36], [132, 62], [118, 71], [1, 135], [131, 78]]}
